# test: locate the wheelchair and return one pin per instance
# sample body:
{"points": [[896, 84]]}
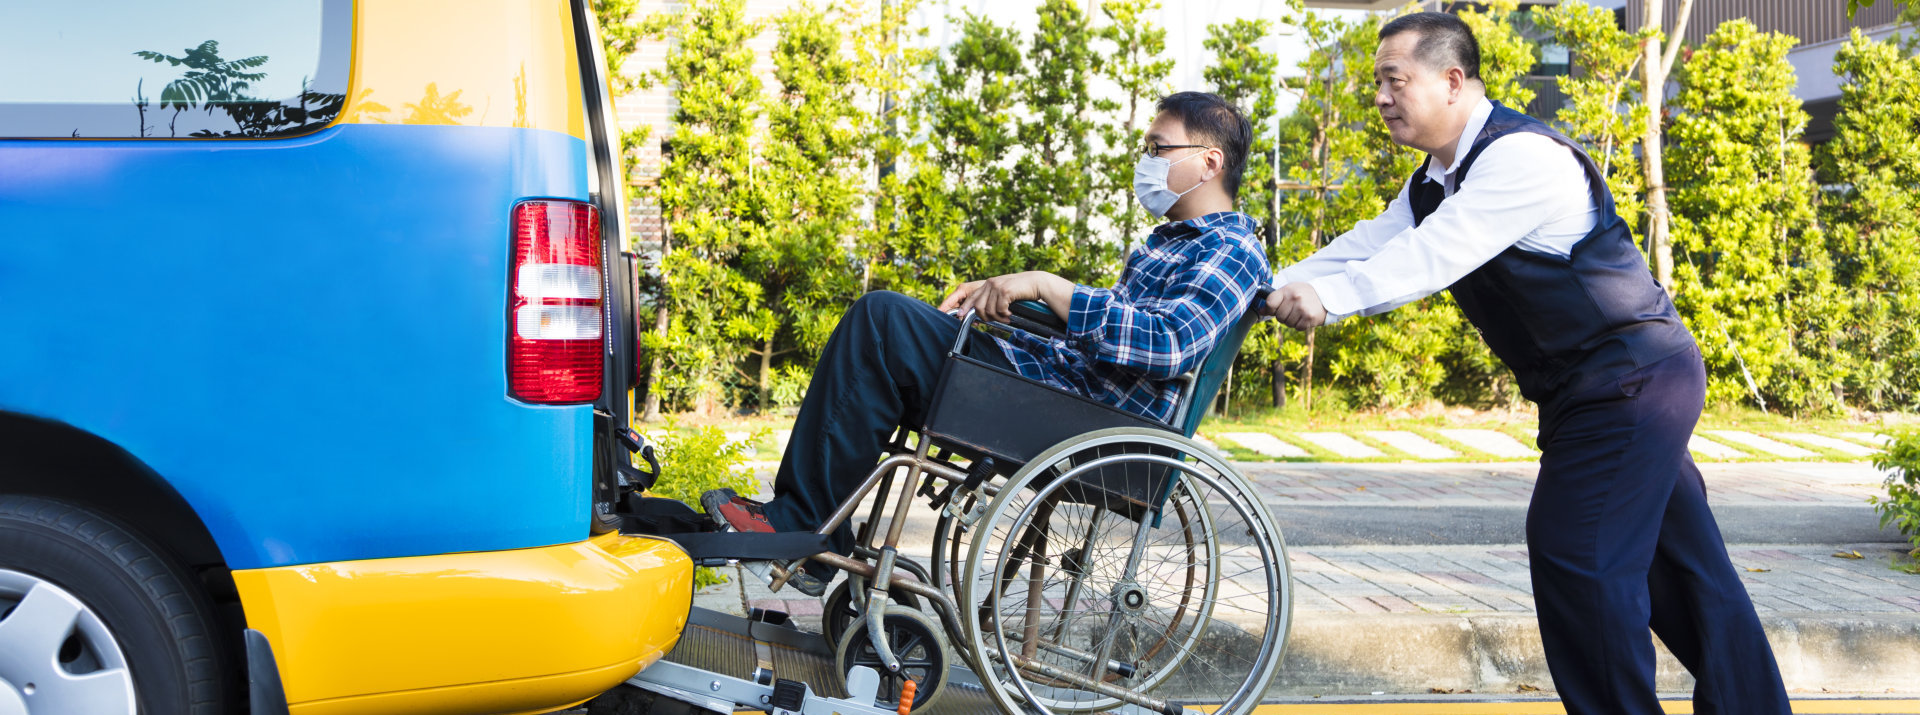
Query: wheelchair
{"points": [[1085, 559]]}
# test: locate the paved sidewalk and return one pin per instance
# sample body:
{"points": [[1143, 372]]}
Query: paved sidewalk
{"points": [[1479, 579], [1511, 483]]}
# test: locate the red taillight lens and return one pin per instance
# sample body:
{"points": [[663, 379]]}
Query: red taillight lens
{"points": [[554, 312]]}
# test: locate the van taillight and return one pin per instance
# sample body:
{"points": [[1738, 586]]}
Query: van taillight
{"points": [[553, 352]]}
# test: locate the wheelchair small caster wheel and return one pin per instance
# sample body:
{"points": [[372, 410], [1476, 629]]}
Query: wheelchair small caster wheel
{"points": [[919, 644], [845, 601]]}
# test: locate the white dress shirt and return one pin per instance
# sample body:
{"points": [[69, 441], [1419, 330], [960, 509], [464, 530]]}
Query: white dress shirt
{"points": [[1525, 190]]}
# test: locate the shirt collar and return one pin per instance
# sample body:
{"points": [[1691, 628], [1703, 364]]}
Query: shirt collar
{"points": [[1201, 224], [1475, 123]]}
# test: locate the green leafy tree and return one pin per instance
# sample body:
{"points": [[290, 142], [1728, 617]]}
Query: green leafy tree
{"points": [[955, 213], [1873, 219], [1136, 63], [715, 311], [1054, 176], [1756, 283], [1330, 150], [1506, 57], [1244, 72], [798, 249], [1656, 69]]}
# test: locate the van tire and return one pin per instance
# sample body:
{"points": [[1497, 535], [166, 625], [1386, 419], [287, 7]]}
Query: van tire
{"points": [[153, 610]]}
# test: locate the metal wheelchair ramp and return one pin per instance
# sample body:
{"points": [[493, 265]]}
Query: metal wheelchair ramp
{"points": [[733, 646]]}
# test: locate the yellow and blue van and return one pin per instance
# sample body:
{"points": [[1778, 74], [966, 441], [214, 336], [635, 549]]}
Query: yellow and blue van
{"points": [[318, 343]]}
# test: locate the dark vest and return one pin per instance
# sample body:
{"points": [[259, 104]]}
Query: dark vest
{"points": [[1562, 324]]}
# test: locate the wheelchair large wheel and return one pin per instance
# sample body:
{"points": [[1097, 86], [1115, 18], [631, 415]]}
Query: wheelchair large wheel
{"points": [[1127, 566]]}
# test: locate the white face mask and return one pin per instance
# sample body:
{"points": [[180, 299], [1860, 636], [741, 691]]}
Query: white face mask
{"points": [[1150, 183]]}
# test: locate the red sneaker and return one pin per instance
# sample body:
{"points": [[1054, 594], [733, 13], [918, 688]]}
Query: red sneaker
{"points": [[734, 512]]}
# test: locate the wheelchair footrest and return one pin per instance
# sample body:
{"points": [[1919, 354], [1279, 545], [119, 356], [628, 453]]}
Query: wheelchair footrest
{"points": [[744, 546]]}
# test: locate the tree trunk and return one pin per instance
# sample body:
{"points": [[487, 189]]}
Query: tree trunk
{"points": [[1279, 384], [766, 375], [1654, 90], [1307, 378], [1655, 67]]}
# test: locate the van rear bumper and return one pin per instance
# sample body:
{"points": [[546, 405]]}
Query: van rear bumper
{"points": [[521, 631]]}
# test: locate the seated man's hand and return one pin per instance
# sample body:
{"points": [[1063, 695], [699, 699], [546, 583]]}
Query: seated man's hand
{"points": [[1297, 305], [993, 298]]}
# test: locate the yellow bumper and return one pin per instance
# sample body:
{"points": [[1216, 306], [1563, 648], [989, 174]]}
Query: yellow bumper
{"points": [[491, 633]]}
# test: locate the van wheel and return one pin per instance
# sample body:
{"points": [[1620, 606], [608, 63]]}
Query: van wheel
{"points": [[93, 619]]}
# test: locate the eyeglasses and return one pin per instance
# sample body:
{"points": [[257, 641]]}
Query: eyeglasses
{"points": [[1152, 149]]}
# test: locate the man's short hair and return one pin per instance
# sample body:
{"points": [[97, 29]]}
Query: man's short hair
{"points": [[1212, 121], [1445, 41]]}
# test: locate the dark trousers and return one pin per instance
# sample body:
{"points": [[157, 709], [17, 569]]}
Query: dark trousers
{"points": [[877, 373], [1620, 539]]}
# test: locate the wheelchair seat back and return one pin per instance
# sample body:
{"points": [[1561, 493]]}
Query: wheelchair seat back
{"points": [[1213, 372]]}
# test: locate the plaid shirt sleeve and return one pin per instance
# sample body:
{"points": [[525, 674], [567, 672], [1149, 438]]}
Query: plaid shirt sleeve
{"points": [[1163, 338]]}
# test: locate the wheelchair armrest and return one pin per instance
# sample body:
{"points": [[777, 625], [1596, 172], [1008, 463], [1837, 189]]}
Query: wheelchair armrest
{"points": [[1035, 317]]}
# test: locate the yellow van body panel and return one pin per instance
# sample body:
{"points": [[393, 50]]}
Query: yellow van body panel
{"points": [[528, 630], [478, 63]]}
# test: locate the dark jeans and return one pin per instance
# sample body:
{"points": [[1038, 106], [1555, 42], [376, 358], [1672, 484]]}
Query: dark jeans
{"points": [[877, 373], [1620, 539]]}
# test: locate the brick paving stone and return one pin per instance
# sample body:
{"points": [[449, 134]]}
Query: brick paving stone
{"points": [[1837, 445], [1358, 604], [1413, 444], [1495, 443], [1796, 579], [1265, 444], [1395, 604], [1867, 437], [1712, 449], [1340, 444], [1757, 442]]}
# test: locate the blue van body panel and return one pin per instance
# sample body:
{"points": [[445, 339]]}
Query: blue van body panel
{"points": [[305, 337]]}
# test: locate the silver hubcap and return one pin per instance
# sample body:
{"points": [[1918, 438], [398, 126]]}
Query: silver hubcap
{"points": [[56, 655]]}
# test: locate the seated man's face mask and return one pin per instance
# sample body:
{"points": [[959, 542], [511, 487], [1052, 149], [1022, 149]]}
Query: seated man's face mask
{"points": [[1150, 179]]}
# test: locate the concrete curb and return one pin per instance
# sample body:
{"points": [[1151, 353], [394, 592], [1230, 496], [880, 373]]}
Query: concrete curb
{"points": [[1358, 654]]}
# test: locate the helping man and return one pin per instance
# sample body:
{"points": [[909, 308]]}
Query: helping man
{"points": [[1517, 223]]}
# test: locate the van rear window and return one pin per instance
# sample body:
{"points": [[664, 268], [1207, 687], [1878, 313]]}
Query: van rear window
{"points": [[123, 69]]}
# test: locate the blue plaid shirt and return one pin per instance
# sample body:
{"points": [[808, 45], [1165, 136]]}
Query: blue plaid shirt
{"points": [[1179, 294]]}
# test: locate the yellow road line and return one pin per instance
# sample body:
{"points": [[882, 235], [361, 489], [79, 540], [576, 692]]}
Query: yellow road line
{"points": [[1673, 707]]}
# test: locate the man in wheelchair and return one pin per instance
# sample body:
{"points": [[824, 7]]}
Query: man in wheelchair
{"points": [[1180, 293]]}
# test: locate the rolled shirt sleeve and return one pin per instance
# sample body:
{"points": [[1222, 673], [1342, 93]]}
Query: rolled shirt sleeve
{"points": [[1502, 201]]}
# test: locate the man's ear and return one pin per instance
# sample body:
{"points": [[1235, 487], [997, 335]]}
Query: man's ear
{"points": [[1456, 81], [1216, 163]]}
